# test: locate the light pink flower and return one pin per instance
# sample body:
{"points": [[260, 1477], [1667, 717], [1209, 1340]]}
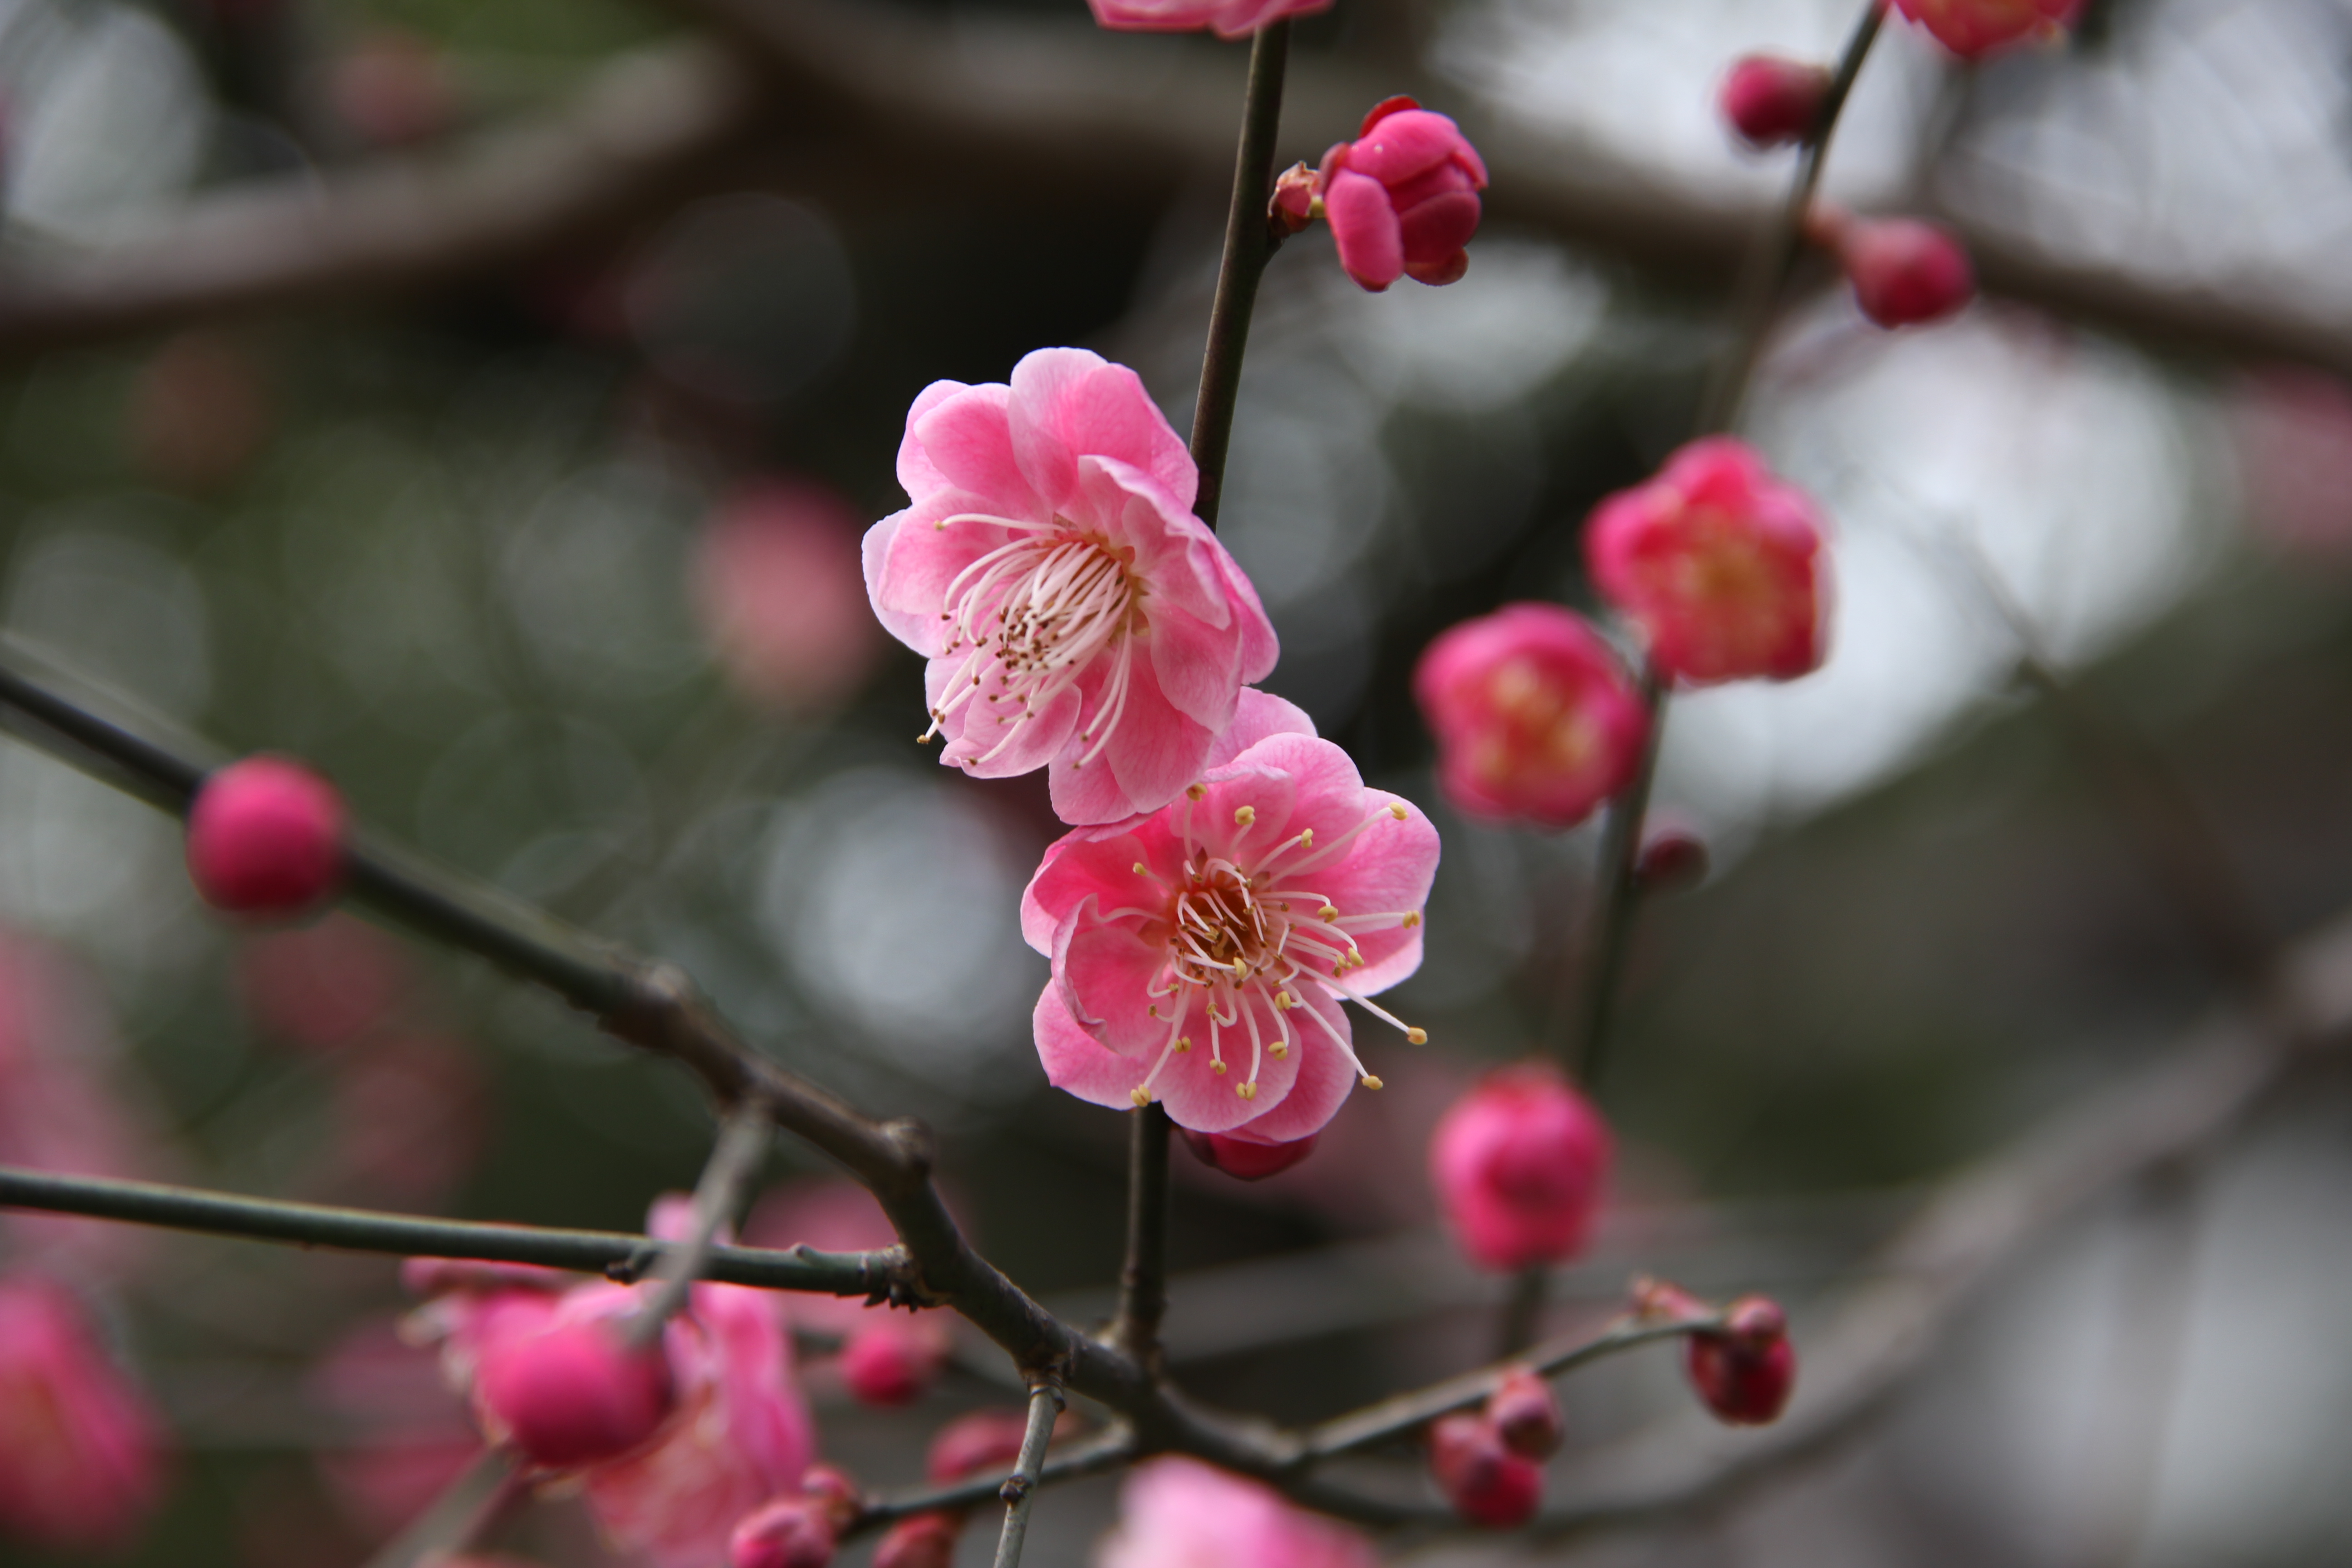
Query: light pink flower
{"points": [[82, 1459], [1402, 199], [1200, 953], [1520, 1164], [1720, 563], [1073, 610], [778, 586], [1182, 1513], [1230, 18], [1972, 28], [1535, 715]]}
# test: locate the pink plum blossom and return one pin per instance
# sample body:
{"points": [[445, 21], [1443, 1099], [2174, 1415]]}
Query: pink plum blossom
{"points": [[1229, 18], [1520, 1164], [1182, 1513], [1720, 563], [81, 1450], [321, 986], [1535, 715], [1973, 28], [409, 1436], [1200, 953], [778, 586], [562, 1385], [1073, 610], [1402, 199]]}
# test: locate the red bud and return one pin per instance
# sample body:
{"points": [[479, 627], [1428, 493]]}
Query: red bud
{"points": [[1746, 1373], [919, 1541], [1525, 1411], [978, 1444], [265, 836], [891, 1361], [1905, 272], [1771, 101], [797, 1532], [572, 1393], [1485, 1481], [1672, 860], [1244, 1160]]}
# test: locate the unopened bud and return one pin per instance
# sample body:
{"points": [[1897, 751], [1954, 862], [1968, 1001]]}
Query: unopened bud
{"points": [[919, 1541], [1525, 1412], [832, 1488], [1664, 1301], [1905, 272], [1672, 860], [891, 1361], [1244, 1160], [1772, 101], [1485, 1481], [984, 1442], [796, 1532], [572, 1393], [1745, 1373], [265, 838], [1294, 204]]}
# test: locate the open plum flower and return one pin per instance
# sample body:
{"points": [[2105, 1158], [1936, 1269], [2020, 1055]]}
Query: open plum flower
{"points": [[1176, 1512], [1073, 610], [1973, 28], [1200, 953]]}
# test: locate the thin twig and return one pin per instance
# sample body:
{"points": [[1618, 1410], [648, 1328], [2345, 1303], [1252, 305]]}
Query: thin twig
{"points": [[1523, 1309], [1617, 891], [1143, 1278], [743, 1138], [1103, 1452], [472, 1503], [1020, 1489]]}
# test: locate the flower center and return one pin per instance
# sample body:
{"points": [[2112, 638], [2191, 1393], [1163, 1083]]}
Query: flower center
{"points": [[1030, 617]]}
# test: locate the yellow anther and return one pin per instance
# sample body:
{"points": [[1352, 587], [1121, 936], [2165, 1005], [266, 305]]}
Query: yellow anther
{"points": [[1417, 1037], [1412, 919], [1245, 814], [1282, 1002], [924, 738], [1140, 1095], [1246, 1090], [1217, 1068], [1139, 870], [1196, 790], [1153, 1010], [1327, 912], [1183, 1044], [1369, 1081], [1278, 1050], [1397, 811]]}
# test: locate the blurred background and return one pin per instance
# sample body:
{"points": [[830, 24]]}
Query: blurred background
{"points": [[536, 529]]}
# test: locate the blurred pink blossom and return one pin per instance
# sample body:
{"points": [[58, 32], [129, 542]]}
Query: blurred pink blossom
{"points": [[408, 1433], [1972, 28], [1230, 18], [323, 986], [1237, 919], [888, 1356], [1402, 199], [81, 1450], [1485, 1481], [1535, 715], [2293, 432], [409, 1118], [1905, 272], [1771, 101], [781, 597], [1720, 563], [1076, 616], [1182, 1513], [1520, 1164]]}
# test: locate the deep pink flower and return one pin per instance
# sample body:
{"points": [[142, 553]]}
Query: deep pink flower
{"points": [[1520, 1164], [265, 838], [1182, 1513], [1230, 18], [1905, 272], [779, 588], [1073, 610], [1720, 563], [1971, 28], [919, 1541], [1402, 199], [1535, 715], [1200, 953], [1485, 1481], [792, 1532], [81, 1458], [1771, 101]]}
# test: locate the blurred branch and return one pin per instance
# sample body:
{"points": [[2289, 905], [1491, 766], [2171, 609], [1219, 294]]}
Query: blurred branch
{"points": [[1020, 1489], [743, 1144], [1105, 1451], [470, 1505]]}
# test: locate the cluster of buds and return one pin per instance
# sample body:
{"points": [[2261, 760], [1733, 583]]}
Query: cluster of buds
{"points": [[1744, 1370], [1489, 1463], [798, 1531], [1402, 198]]}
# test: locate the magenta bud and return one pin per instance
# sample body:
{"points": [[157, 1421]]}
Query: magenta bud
{"points": [[833, 1486], [1905, 272], [1672, 860], [265, 838], [1484, 1481], [1243, 1159], [1293, 205], [983, 1442], [1745, 1373], [892, 1360], [572, 1393], [796, 1532], [919, 1541], [1525, 1412], [1772, 101], [1521, 1165]]}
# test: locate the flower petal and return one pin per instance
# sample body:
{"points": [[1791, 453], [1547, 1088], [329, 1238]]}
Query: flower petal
{"points": [[1066, 403], [1364, 227], [968, 439]]}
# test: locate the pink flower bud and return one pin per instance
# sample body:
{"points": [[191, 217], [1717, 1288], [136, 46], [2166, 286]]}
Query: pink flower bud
{"points": [[1719, 563], [1745, 1373], [1535, 717], [1520, 1164], [1524, 1409], [1486, 1483], [571, 1393], [80, 1449], [265, 836], [1246, 1159], [983, 1443], [1905, 272], [1672, 858], [1402, 199], [891, 1361], [919, 1541], [1227, 18], [1973, 28], [839, 1494], [797, 1532], [1771, 101], [1663, 1301], [1293, 205]]}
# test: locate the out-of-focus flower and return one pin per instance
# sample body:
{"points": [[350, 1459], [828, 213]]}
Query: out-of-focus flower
{"points": [[1244, 1160], [781, 597], [409, 1435], [81, 1450], [324, 985], [1771, 101], [1237, 919], [1073, 610], [410, 1117], [1905, 272], [1482, 1479], [2291, 430], [1973, 28], [556, 1380], [1721, 564], [975, 1445], [919, 1541], [888, 1356], [1525, 1414], [1745, 1374], [265, 838], [1535, 716], [891, 1361], [1180, 1513], [1229, 18], [392, 88], [1521, 1163], [1402, 199], [200, 413], [792, 1532]]}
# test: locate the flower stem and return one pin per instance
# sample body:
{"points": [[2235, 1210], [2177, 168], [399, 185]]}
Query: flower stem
{"points": [[1249, 241], [1143, 1281], [1021, 1488], [1617, 894]]}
